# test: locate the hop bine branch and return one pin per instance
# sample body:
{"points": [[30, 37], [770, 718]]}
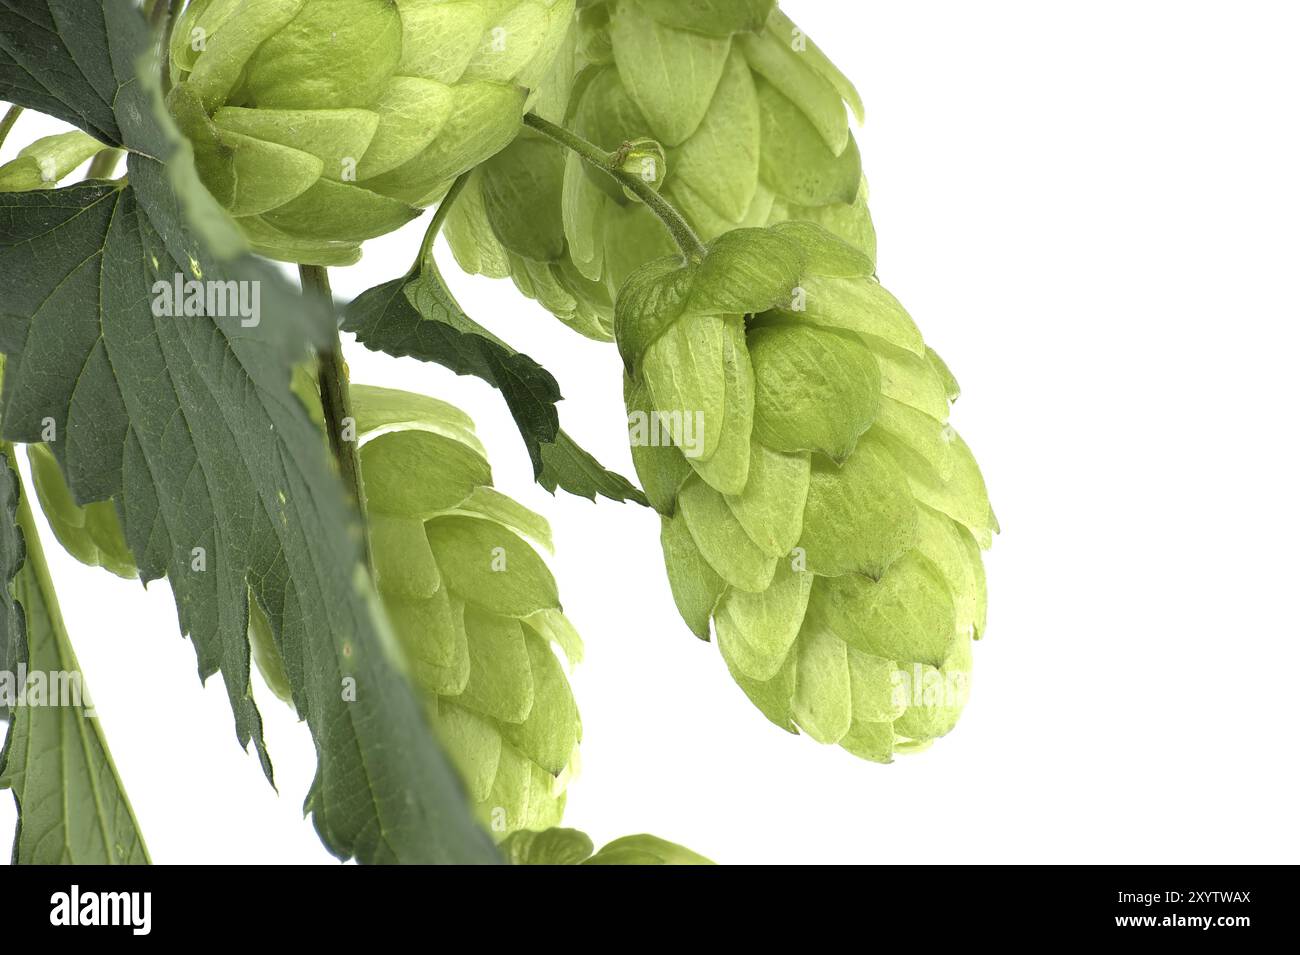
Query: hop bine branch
{"points": [[336, 402], [611, 164]]}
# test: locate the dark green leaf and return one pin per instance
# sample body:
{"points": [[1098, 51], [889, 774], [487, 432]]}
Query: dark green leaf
{"points": [[190, 424], [416, 316]]}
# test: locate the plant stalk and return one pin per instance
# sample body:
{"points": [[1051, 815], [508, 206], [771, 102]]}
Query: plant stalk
{"points": [[7, 124], [102, 166], [162, 17], [681, 231], [439, 218], [336, 401]]}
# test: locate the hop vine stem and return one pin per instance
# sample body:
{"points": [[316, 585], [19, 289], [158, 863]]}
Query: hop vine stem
{"points": [[682, 233], [7, 124], [336, 402]]}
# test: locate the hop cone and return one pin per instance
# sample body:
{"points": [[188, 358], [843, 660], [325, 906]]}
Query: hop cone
{"points": [[472, 605], [790, 426], [751, 119], [321, 123], [573, 847]]}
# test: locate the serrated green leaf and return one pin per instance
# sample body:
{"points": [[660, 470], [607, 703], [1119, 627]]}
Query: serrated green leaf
{"points": [[72, 807], [190, 424], [417, 317], [567, 465]]}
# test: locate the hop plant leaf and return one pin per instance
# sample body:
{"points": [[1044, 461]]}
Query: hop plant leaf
{"points": [[791, 428], [248, 488], [748, 114], [321, 123]]}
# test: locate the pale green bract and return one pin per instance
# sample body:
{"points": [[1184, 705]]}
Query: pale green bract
{"points": [[573, 847], [319, 124], [471, 602], [41, 164], [791, 427], [751, 119]]}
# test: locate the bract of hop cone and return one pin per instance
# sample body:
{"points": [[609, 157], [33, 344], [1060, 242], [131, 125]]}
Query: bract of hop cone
{"points": [[752, 123], [791, 427], [319, 124]]}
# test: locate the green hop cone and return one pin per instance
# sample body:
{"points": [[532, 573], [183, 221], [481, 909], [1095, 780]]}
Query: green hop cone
{"points": [[573, 847], [791, 427], [91, 533], [321, 123], [749, 116], [472, 605], [44, 162]]}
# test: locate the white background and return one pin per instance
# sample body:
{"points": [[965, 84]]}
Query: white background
{"points": [[1091, 209]]}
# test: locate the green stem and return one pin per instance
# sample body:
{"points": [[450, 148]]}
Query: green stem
{"points": [[6, 124], [439, 217], [102, 166], [162, 17], [35, 566], [682, 233], [336, 402]]}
